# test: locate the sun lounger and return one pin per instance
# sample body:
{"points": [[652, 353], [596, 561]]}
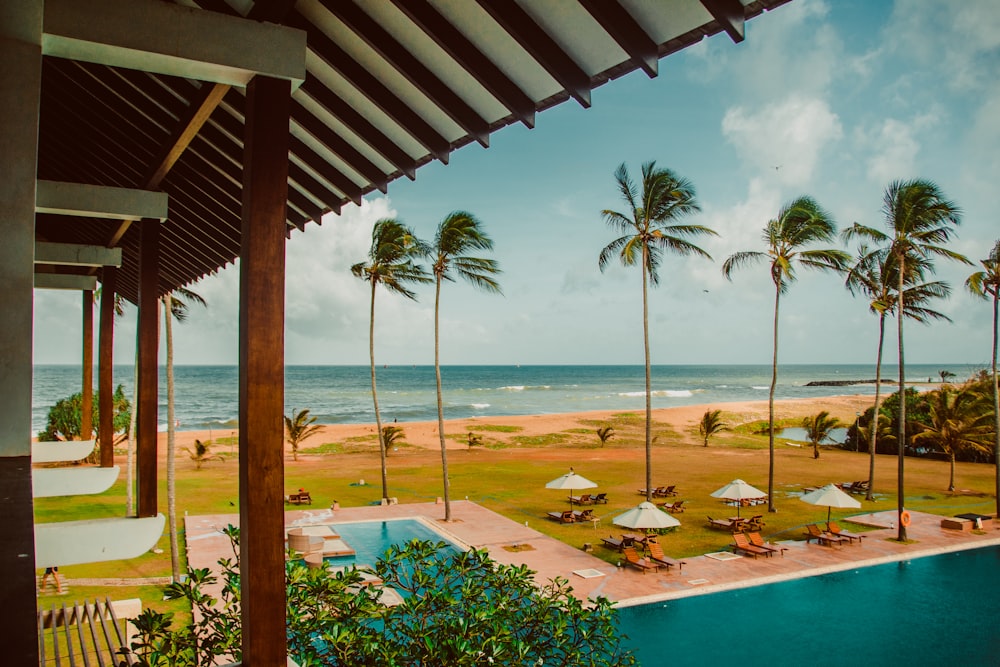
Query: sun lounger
{"points": [[562, 517], [585, 499], [302, 497], [675, 507], [813, 532], [633, 559], [754, 523], [741, 543], [835, 529], [657, 556], [584, 515], [601, 498], [613, 542], [721, 524], [665, 491], [758, 541]]}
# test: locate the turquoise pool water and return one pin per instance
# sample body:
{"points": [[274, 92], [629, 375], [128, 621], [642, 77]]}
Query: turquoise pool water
{"points": [[371, 539], [938, 610]]}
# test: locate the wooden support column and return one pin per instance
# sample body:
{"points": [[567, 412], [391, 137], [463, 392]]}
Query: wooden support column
{"points": [[20, 90], [149, 327], [87, 403], [105, 366], [262, 350]]}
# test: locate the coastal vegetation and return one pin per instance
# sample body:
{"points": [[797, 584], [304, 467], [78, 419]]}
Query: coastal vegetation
{"points": [[818, 428], [64, 419], [787, 238], [298, 427], [605, 433], [710, 424], [648, 229]]}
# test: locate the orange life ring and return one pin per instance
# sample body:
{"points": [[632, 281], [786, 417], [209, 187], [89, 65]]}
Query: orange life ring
{"points": [[904, 519]]}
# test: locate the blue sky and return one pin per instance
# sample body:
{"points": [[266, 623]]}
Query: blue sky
{"points": [[832, 99]]}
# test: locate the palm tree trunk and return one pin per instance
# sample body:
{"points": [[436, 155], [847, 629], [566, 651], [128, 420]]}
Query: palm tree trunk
{"points": [[649, 404], [951, 480], [770, 404], [996, 401], [130, 456], [901, 428], [378, 416], [873, 438], [175, 565], [440, 404]]}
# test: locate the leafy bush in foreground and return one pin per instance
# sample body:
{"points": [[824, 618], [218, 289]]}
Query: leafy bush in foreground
{"points": [[458, 609]]}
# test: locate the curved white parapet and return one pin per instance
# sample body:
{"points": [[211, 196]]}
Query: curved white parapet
{"points": [[52, 482], [95, 540], [66, 450]]}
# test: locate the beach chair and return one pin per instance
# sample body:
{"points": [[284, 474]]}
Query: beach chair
{"points": [[834, 528], [657, 556], [675, 507], [585, 499], [758, 541], [721, 524], [665, 491], [302, 497], [583, 515], [754, 523], [565, 516], [600, 498], [633, 559], [741, 543], [613, 543], [813, 532]]}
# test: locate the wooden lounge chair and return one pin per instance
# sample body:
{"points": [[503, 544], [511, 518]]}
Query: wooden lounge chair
{"points": [[600, 498], [583, 515], [813, 532], [834, 528], [741, 543], [302, 497], [657, 556], [562, 517], [633, 559], [721, 524], [585, 499], [758, 541], [665, 491], [754, 523], [613, 542], [675, 507]]}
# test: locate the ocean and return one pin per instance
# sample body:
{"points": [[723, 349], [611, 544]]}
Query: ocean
{"points": [[207, 396]]}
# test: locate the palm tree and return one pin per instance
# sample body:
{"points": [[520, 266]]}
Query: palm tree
{"points": [[956, 424], [391, 434], [201, 453], [946, 376], [873, 275], [918, 220], [174, 308], [298, 427], [457, 235], [818, 428], [710, 424], [648, 229], [799, 224], [390, 264], [986, 284], [604, 434]]}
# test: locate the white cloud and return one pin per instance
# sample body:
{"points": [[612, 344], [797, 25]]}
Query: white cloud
{"points": [[786, 137]]}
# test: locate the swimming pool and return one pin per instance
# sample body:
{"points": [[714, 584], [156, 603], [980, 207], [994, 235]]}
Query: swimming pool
{"points": [[937, 610], [371, 539]]}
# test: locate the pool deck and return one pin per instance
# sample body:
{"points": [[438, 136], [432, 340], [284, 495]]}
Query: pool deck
{"points": [[476, 526]]}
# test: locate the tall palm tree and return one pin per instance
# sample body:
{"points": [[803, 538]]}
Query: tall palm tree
{"points": [[919, 220], [298, 427], [873, 275], [956, 424], [648, 229], [175, 307], [710, 424], [818, 428], [986, 284], [458, 234], [390, 264], [799, 224]]}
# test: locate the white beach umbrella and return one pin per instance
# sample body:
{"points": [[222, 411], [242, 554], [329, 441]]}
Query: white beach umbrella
{"points": [[645, 516], [570, 482], [738, 490], [830, 496]]}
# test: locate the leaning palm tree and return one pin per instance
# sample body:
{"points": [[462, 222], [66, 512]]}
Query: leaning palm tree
{"points": [[458, 234], [390, 264], [605, 433], [919, 220], [710, 424], [986, 284], [873, 275], [648, 229], [956, 424], [202, 453], [818, 428], [799, 224], [175, 307], [298, 427]]}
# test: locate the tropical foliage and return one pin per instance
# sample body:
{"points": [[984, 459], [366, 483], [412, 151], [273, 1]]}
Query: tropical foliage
{"points": [[710, 424], [818, 428], [201, 453], [391, 435], [788, 238], [956, 423], [458, 235], [65, 417], [605, 433], [391, 265], [648, 229], [459, 609], [298, 427]]}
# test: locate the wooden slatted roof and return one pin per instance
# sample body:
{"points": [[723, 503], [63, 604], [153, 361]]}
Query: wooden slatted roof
{"points": [[391, 85]]}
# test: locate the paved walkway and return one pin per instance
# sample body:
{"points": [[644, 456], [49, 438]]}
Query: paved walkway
{"points": [[478, 527]]}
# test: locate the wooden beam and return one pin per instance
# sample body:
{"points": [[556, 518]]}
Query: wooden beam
{"points": [[627, 32], [262, 344], [72, 254], [65, 281], [87, 399], [148, 325], [730, 14], [98, 201], [105, 367]]}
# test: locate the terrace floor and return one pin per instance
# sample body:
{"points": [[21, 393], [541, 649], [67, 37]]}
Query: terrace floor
{"points": [[476, 526]]}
